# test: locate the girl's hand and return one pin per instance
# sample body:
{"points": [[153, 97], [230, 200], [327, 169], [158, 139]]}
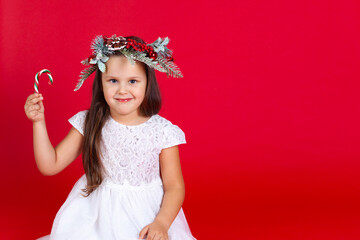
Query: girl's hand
{"points": [[34, 107], [155, 231]]}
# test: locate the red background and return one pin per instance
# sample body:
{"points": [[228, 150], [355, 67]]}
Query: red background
{"points": [[269, 104]]}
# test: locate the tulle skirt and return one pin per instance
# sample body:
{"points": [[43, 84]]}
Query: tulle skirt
{"points": [[113, 211]]}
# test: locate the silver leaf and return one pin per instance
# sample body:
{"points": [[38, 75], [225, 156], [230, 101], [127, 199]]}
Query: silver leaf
{"points": [[105, 59], [101, 66]]}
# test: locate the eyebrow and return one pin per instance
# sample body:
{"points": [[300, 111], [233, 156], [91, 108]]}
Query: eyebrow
{"points": [[129, 77]]}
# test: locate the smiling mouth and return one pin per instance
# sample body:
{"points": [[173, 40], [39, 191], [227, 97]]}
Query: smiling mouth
{"points": [[123, 99]]}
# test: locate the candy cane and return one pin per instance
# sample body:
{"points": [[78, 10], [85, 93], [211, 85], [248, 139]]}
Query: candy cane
{"points": [[36, 84]]}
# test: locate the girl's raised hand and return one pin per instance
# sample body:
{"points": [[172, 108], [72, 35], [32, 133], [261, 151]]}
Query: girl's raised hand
{"points": [[34, 107]]}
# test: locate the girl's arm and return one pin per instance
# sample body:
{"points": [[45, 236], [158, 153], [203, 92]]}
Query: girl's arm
{"points": [[174, 186], [50, 161], [44, 152]]}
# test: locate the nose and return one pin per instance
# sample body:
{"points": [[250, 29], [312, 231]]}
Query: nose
{"points": [[122, 88]]}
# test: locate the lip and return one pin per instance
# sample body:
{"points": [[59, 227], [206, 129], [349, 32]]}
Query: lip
{"points": [[123, 99]]}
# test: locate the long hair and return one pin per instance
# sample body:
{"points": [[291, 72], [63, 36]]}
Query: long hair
{"points": [[98, 114]]}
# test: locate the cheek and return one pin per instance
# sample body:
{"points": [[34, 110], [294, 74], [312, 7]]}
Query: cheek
{"points": [[140, 92], [109, 90], [107, 94]]}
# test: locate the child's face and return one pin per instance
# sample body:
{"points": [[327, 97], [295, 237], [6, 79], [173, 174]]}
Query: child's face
{"points": [[124, 86]]}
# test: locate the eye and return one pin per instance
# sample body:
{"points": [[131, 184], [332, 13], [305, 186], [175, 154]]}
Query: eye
{"points": [[111, 80], [133, 80]]}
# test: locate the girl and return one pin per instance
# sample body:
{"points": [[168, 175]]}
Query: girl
{"points": [[133, 186]]}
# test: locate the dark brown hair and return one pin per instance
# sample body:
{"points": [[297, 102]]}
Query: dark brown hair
{"points": [[97, 115]]}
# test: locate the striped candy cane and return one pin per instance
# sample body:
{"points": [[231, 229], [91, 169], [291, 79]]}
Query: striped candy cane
{"points": [[36, 84]]}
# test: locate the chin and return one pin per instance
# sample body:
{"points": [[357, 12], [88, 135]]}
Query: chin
{"points": [[125, 111]]}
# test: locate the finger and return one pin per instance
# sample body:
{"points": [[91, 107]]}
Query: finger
{"points": [[35, 100], [28, 99], [35, 107], [33, 114], [153, 237], [34, 95], [41, 105], [31, 96], [149, 237], [27, 108], [34, 110], [142, 232]]}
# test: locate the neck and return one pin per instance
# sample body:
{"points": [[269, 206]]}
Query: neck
{"points": [[133, 118]]}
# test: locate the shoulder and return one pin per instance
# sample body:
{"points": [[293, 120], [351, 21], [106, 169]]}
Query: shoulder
{"points": [[80, 114], [78, 120], [83, 112], [164, 122], [172, 134]]}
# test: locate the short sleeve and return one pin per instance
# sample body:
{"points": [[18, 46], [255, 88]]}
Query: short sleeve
{"points": [[173, 135], [78, 121]]}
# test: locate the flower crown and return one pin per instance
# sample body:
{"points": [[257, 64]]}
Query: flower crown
{"points": [[155, 55]]}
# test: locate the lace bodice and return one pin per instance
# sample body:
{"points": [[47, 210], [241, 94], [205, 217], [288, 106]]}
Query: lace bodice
{"points": [[130, 154]]}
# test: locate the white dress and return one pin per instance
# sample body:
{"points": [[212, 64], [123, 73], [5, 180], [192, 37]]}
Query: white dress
{"points": [[130, 196]]}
